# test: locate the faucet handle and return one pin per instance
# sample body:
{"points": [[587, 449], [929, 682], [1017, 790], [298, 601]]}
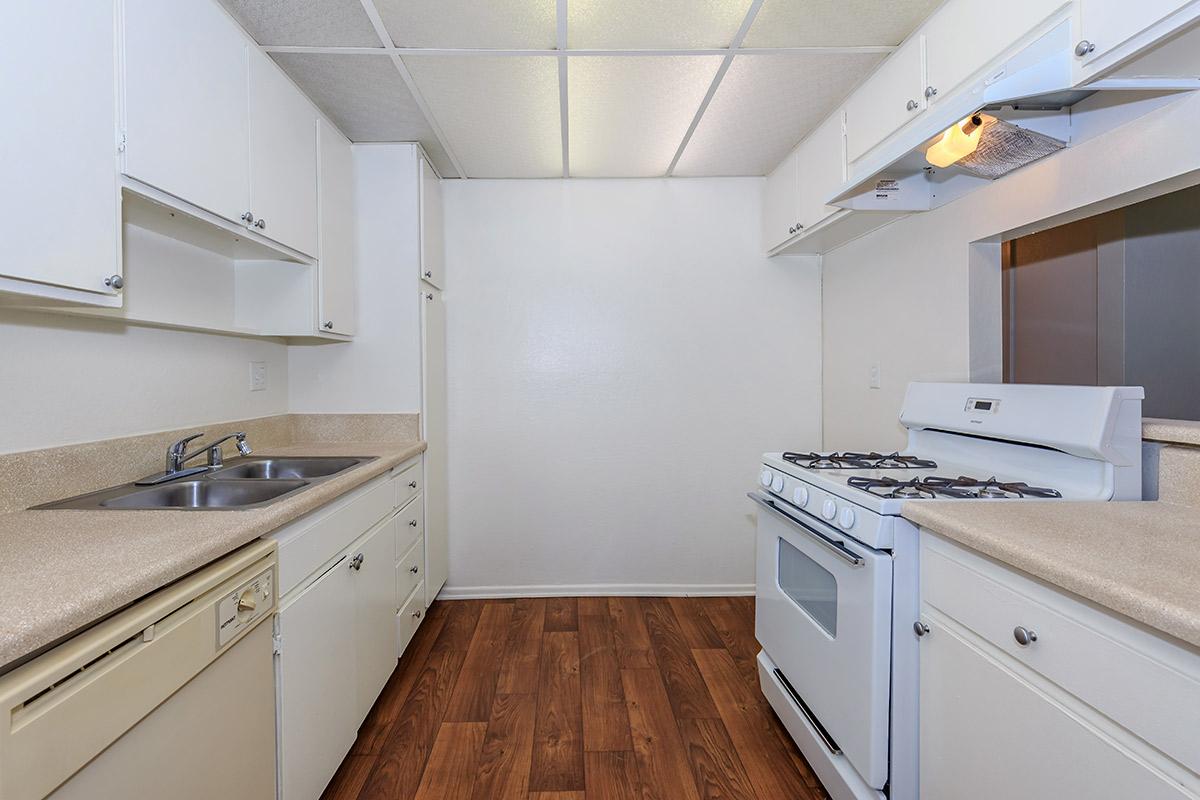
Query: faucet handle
{"points": [[180, 445]]}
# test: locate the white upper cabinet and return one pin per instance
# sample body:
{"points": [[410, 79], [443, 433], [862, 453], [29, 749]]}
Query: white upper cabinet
{"points": [[283, 158], [964, 36], [433, 249], [60, 213], [890, 97], [821, 170], [186, 103], [336, 302], [781, 202], [1106, 24]]}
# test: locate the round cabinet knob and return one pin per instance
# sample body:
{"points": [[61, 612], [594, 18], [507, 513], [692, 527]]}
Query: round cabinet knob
{"points": [[800, 496], [777, 484], [412, 523], [246, 605], [829, 510], [416, 615], [261, 224], [414, 569], [1084, 47], [248, 218], [846, 518], [114, 282], [765, 477], [428, 274], [920, 628], [930, 92], [357, 562], [912, 105], [412, 484], [1024, 636], [328, 325]]}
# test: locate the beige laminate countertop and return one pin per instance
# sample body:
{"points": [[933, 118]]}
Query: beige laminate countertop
{"points": [[1140, 559], [62, 570]]}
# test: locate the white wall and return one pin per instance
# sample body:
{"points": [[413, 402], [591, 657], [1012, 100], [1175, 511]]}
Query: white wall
{"points": [[70, 379], [380, 371], [902, 296], [620, 354]]}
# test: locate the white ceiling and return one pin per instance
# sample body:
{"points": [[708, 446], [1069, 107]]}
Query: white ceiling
{"points": [[584, 88]]}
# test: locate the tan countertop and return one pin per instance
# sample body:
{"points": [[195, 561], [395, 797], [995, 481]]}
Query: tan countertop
{"points": [[1140, 559], [61, 571]]}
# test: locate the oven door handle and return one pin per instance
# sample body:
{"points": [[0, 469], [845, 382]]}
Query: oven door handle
{"points": [[835, 547]]}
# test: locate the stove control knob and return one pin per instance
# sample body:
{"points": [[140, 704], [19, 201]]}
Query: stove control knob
{"points": [[846, 519], [765, 478], [800, 496], [777, 484], [829, 510]]}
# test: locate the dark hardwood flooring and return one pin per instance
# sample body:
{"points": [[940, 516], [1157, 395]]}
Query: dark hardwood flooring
{"points": [[591, 698]]}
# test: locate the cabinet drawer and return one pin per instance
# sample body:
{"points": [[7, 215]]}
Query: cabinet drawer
{"points": [[409, 618], [410, 571], [409, 484], [308, 544], [1145, 683], [410, 527]]}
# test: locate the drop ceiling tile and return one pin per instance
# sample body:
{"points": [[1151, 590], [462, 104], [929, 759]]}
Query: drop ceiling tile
{"points": [[629, 113], [836, 23], [637, 24], [765, 105], [493, 25], [317, 23], [499, 114], [366, 98]]}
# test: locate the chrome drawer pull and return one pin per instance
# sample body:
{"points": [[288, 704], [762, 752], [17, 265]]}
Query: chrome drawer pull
{"points": [[1024, 636]]}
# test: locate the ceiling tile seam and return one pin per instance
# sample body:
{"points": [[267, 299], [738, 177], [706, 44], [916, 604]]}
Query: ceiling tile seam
{"points": [[563, 105], [386, 38], [579, 53], [751, 13]]}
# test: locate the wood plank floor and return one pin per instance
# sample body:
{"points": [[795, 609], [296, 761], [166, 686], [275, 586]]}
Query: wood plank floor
{"points": [[592, 698]]}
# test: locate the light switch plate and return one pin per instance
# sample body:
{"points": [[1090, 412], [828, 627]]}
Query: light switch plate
{"points": [[873, 376], [258, 376]]}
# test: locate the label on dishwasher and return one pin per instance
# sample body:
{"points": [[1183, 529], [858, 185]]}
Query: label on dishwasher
{"points": [[239, 608]]}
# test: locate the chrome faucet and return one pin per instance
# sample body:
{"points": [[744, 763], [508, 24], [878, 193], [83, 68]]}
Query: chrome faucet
{"points": [[177, 456]]}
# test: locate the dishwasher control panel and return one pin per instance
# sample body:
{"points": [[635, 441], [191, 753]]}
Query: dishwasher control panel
{"points": [[244, 605]]}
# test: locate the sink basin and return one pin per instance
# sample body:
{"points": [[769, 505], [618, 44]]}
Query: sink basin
{"points": [[202, 494], [282, 468]]}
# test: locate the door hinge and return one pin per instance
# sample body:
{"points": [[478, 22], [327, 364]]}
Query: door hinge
{"points": [[276, 643], [122, 140]]}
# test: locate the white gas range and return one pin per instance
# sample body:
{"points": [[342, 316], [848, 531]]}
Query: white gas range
{"points": [[837, 573]]}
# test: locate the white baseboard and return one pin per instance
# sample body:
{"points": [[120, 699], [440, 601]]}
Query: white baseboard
{"points": [[597, 590]]}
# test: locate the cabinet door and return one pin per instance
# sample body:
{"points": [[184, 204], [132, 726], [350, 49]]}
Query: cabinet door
{"points": [[186, 103], [962, 37], [375, 607], [781, 203], [318, 713], [988, 734], [433, 258], [433, 419], [1107, 24], [59, 216], [821, 170], [337, 304], [283, 158], [890, 97]]}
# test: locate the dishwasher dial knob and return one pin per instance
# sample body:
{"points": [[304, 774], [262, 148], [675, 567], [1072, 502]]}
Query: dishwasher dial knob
{"points": [[846, 519], [777, 484], [765, 478], [829, 510], [246, 605], [800, 496]]}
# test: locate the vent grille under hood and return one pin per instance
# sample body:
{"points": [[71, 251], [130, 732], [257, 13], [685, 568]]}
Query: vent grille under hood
{"points": [[1004, 147]]}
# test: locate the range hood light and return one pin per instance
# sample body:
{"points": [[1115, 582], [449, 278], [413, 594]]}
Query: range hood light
{"points": [[956, 142]]}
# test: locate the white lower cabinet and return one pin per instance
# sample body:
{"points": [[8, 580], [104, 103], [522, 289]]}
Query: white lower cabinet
{"points": [[318, 717], [1091, 706], [409, 618], [375, 603]]}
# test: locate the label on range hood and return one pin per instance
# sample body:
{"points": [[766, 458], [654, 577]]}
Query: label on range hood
{"points": [[886, 187]]}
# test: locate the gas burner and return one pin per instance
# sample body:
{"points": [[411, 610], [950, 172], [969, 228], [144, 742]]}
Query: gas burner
{"points": [[961, 488], [850, 460]]}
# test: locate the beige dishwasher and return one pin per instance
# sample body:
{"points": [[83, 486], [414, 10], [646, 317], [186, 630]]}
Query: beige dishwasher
{"points": [[172, 697]]}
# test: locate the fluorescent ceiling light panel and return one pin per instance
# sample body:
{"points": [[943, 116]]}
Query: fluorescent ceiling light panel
{"points": [[765, 105], [837, 23], [629, 113], [499, 114], [366, 99], [314, 23], [492, 24], [660, 24]]}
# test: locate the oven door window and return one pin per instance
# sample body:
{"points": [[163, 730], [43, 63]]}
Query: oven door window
{"points": [[809, 585]]}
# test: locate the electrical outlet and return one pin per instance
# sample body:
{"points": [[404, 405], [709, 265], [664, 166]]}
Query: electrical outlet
{"points": [[258, 376], [873, 376]]}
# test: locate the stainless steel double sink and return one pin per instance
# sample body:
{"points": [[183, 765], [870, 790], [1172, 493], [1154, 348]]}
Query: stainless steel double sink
{"points": [[250, 482]]}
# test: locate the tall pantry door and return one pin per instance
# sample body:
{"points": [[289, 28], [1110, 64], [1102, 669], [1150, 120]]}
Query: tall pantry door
{"points": [[433, 421]]}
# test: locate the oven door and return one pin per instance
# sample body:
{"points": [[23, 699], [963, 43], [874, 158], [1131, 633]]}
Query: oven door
{"points": [[823, 615]]}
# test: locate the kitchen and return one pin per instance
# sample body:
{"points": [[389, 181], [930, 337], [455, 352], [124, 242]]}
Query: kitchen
{"points": [[396, 374]]}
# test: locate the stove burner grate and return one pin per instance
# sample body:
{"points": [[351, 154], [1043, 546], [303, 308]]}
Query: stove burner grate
{"points": [[962, 488], [850, 460]]}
